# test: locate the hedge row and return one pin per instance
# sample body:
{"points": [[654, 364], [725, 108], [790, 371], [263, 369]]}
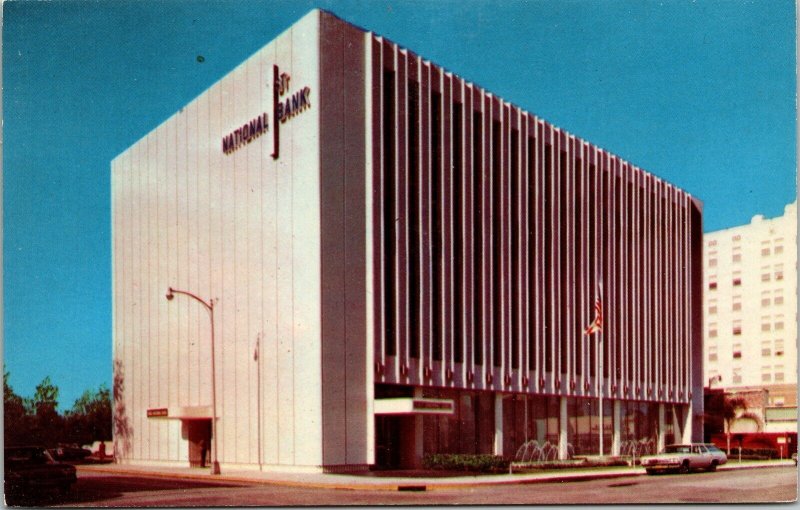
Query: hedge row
{"points": [[482, 463], [769, 453]]}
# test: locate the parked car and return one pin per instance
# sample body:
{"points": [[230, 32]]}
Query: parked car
{"points": [[67, 452], [29, 470], [684, 458]]}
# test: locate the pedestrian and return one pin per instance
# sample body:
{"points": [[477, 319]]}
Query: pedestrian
{"points": [[203, 452]]}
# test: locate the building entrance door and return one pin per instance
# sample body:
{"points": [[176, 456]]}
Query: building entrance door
{"points": [[199, 436], [394, 442]]}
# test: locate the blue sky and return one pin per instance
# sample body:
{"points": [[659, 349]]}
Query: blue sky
{"points": [[701, 94]]}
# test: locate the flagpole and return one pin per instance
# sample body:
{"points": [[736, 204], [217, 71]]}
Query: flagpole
{"points": [[258, 395], [601, 359], [600, 384]]}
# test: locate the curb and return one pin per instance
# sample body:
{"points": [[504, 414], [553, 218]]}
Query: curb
{"points": [[422, 486]]}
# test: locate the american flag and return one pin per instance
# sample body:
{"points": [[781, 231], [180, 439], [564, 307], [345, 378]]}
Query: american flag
{"points": [[597, 323]]}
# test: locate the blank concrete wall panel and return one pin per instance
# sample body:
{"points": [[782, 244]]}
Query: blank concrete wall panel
{"points": [[305, 157], [236, 355], [357, 363], [332, 203], [342, 193], [285, 374]]}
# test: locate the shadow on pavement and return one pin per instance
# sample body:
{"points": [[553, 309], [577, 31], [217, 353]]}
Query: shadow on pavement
{"points": [[93, 488]]}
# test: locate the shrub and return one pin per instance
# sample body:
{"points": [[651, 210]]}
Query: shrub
{"points": [[754, 453], [482, 463]]}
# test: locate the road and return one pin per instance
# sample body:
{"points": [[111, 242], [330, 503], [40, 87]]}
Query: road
{"points": [[777, 484]]}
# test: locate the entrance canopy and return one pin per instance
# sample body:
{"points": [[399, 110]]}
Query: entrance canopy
{"points": [[414, 406], [181, 412]]}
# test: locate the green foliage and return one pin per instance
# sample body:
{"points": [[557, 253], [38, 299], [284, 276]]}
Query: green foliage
{"points": [[90, 417], [754, 453], [14, 414], [36, 420], [481, 463]]}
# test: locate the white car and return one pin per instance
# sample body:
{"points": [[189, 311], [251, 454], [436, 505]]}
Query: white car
{"points": [[684, 458]]}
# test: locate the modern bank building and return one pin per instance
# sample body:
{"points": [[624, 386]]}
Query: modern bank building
{"points": [[342, 256]]}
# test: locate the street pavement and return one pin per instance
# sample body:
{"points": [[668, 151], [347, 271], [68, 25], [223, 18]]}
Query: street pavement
{"points": [[138, 486], [404, 480], [769, 484]]}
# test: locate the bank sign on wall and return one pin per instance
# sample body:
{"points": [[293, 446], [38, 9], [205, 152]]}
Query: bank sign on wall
{"points": [[284, 107]]}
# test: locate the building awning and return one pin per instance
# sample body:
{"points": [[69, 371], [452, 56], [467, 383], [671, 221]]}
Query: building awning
{"points": [[414, 406], [181, 412]]}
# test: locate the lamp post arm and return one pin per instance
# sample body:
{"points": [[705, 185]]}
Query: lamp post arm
{"points": [[209, 305]]}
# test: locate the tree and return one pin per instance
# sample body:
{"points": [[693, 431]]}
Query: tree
{"points": [[732, 406], [14, 414], [90, 417], [47, 423]]}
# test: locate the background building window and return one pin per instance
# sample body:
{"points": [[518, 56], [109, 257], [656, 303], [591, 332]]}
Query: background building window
{"points": [[712, 262], [737, 257], [765, 277], [778, 300], [712, 285], [737, 376], [764, 252], [766, 377], [712, 353]]}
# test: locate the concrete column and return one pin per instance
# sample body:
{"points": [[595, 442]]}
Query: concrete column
{"points": [[418, 434], [688, 431], [677, 426], [563, 453], [661, 428], [616, 434], [498, 424]]}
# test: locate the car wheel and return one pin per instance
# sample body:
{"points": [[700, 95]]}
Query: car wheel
{"points": [[684, 467], [712, 467]]}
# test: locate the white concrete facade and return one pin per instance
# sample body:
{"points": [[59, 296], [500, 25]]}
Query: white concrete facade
{"points": [[750, 305], [279, 221], [244, 229]]}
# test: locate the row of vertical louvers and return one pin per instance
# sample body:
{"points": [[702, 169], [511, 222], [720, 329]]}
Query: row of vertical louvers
{"points": [[493, 234]]}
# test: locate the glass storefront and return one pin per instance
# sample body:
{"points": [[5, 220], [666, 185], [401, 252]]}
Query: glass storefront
{"points": [[639, 428], [531, 425], [530, 422], [583, 426], [470, 429]]}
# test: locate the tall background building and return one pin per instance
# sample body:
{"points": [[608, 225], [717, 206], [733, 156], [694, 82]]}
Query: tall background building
{"points": [[750, 310]]}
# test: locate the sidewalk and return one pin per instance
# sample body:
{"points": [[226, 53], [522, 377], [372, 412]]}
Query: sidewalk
{"points": [[366, 481]]}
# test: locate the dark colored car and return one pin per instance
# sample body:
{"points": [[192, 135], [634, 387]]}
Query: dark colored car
{"points": [[30, 470], [68, 452]]}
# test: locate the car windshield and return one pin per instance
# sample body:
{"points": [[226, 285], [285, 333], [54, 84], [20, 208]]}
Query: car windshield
{"points": [[676, 448]]}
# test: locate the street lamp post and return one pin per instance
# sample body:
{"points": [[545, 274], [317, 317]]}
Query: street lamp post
{"points": [[210, 307]]}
